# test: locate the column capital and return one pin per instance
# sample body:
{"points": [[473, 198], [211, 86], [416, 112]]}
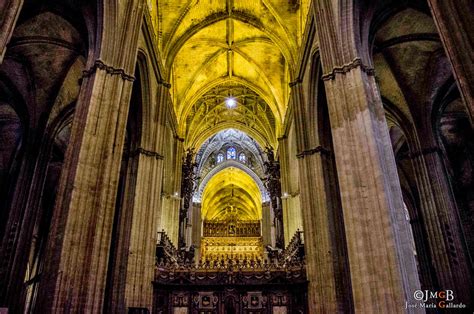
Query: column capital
{"points": [[178, 138], [164, 83], [99, 64], [295, 82], [345, 68]]}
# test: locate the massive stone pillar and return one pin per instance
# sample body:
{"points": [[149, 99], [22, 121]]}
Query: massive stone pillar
{"points": [[9, 12], [453, 18], [382, 266], [371, 196], [81, 229]]}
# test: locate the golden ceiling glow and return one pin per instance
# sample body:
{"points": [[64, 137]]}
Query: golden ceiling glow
{"points": [[231, 191], [210, 43]]}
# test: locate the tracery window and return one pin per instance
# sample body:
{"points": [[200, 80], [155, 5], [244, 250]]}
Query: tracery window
{"points": [[242, 157], [231, 154], [220, 157]]}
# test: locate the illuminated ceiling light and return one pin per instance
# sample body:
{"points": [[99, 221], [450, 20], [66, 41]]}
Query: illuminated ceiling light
{"points": [[230, 103]]}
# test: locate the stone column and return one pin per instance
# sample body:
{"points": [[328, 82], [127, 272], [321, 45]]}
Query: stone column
{"points": [[9, 12], [78, 249], [383, 269], [327, 293], [176, 201], [82, 222], [382, 266], [453, 18], [147, 205]]}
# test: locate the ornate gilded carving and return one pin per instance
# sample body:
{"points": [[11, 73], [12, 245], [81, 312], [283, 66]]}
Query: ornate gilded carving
{"points": [[226, 249], [242, 228]]}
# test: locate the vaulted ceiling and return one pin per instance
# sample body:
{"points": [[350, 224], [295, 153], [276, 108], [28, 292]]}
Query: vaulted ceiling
{"points": [[226, 44], [231, 188], [215, 50]]}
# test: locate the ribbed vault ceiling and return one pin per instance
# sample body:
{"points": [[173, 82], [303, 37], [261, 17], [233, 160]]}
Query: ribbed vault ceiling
{"points": [[225, 44]]}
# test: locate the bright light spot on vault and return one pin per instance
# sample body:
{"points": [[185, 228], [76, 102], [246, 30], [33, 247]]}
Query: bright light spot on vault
{"points": [[230, 103]]}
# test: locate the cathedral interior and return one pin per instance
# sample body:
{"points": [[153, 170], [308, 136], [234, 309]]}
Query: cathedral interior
{"points": [[236, 156]]}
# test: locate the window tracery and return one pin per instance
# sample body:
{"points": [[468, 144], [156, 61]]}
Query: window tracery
{"points": [[242, 158], [231, 153]]}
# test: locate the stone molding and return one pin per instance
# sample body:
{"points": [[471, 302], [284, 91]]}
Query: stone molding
{"points": [[318, 149], [295, 82], [423, 152], [149, 153], [180, 139], [164, 83], [99, 64], [357, 62]]}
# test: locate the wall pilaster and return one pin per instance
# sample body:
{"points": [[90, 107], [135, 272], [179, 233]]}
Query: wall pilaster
{"points": [[9, 12], [148, 204]]}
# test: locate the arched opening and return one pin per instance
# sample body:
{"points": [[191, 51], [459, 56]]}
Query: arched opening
{"points": [[41, 230], [231, 305]]}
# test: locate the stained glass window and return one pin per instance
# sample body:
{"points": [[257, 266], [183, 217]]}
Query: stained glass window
{"points": [[231, 153], [220, 157], [242, 157]]}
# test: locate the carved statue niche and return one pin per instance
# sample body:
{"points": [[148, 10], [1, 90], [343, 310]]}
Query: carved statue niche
{"points": [[273, 185]]}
